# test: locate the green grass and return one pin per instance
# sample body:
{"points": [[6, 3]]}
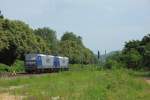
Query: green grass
{"points": [[80, 85]]}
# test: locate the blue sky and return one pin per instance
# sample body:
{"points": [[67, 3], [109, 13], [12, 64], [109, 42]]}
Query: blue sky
{"points": [[103, 24]]}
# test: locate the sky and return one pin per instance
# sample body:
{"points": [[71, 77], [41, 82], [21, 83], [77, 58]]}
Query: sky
{"points": [[103, 24]]}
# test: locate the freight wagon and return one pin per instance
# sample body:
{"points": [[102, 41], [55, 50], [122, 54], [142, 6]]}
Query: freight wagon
{"points": [[45, 63]]}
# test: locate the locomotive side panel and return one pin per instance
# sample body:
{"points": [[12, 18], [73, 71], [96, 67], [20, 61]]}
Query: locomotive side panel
{"points": [[47, 62], [66, 62], [56, 62]]}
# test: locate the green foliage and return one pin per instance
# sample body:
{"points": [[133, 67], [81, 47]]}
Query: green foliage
{"points": [[17, 39], [50, 38], [113, 64], [4, 68], [1, 16], [137, 53], [89, 57], [83, 67], [79, 85], [72, 50], [132, 58], [72, 47], [115, 55], [18, 66], [71, 37], [134, 44]]}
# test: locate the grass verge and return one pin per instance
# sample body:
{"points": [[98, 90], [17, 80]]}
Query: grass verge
{"points": [[116, 84]]}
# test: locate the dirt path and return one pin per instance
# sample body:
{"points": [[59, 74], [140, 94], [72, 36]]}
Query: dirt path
{"points": [[147, 80], [7, 96]]}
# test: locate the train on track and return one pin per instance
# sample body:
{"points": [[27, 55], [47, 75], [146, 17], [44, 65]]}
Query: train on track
{"points": [[37, 63]]}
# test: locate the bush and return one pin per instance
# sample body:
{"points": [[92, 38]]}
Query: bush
{"points": [[113, 64], [4, 68], [18, 66], [83, 67]]}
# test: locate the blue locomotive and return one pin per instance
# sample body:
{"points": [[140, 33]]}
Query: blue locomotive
{"points": [[45, 63]]}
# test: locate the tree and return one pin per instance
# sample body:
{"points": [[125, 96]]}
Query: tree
{"points": [[146, 55], [17, 39], [72, 37], [146, 39], [50, 38], [137, 53], [89, 57], [72, 50], [98, 55], [134, 44], [1, 16], [132, 59], [72, 47]]}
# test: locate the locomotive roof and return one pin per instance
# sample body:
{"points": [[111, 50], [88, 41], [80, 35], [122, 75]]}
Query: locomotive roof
{"points": [[46, 55]]}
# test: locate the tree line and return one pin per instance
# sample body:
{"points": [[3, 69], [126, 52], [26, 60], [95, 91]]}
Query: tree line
{"points": [[18, 38], [135, 54]]}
